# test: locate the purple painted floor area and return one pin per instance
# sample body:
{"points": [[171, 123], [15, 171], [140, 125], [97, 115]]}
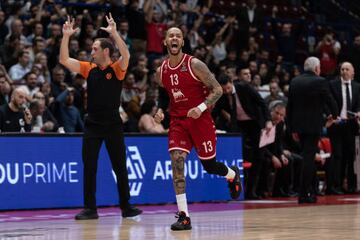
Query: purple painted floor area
{"points": [[41, 215]]}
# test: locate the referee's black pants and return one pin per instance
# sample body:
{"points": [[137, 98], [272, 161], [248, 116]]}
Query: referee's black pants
{"points": [[114, 141]]}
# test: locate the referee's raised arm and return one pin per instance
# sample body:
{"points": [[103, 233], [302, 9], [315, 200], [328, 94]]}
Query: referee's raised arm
{"points": [[121, 45], [68, 30]]}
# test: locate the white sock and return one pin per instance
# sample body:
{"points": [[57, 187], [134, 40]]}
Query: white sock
{"points": [[182, 203], [231, 174]]}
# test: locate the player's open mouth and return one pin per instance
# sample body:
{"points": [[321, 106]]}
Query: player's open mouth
{"points": [[174, 45]]}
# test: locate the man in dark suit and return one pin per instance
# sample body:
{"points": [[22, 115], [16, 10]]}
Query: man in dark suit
{"points": [[250, 19], [342, 134], [243, 110], [309, 95]]}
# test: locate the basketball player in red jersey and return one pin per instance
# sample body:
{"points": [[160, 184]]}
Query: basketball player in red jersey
{"points": [[187, 81]]}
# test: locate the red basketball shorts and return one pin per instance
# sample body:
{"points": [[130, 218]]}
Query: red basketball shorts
{"points": [[184, 133]]}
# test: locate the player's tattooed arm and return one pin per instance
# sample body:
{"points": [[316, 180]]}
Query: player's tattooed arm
{"points": [[203, 73], [177, 164]]}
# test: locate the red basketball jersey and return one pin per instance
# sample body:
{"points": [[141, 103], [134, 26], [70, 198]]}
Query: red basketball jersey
{"points": [[185, 90]]}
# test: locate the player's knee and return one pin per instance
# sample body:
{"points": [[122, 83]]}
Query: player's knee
{"points": [[210, 165]]}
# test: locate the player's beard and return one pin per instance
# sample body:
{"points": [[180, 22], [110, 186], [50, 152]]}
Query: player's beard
{"points": [[173, 54]]}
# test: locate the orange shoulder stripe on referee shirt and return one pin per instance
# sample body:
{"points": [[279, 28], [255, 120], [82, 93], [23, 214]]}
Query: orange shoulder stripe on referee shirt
{"points": [[85, 68], [120, 74]]}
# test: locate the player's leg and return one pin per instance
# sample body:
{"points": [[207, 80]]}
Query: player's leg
{"points": [[179, 147], [204, 138], [178, 163]]}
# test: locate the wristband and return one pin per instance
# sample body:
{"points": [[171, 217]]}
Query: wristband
{"points": [[202, 107]]}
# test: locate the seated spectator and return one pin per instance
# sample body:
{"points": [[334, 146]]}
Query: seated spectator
{"points": [[58, 81], [129, 90], [9, 51], [15, 117], [68, 115], [5, 90], [133, 111], [37, 69], [43, 119], [275, 94], [147, 123], [30, 86], [18, 71], [41, 59], [152, 91], [274, 154]]}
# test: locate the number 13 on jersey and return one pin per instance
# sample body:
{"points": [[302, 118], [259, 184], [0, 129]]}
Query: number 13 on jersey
{"points": [[174, 79]]}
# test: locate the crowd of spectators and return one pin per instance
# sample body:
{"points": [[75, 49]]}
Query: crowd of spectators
{"points": [[261, 43]]}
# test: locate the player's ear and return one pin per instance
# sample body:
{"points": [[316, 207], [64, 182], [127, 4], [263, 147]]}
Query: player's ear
{"points": [[164, 42]]}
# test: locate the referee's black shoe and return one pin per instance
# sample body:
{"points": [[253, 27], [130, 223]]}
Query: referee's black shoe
{"points": [[130, 212], [87, 214]]}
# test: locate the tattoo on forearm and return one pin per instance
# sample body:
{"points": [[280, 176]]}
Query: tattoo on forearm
{"points": [[209, 80], [177, 162], [215, 88]]}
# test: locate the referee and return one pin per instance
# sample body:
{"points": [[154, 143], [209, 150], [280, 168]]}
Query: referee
{"points": [[103, 123]]}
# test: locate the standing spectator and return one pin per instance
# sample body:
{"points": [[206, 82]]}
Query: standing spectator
{"points": [[220, 43], [328, 51], [14, 117], [137, 30], [342, 135], [245, 111], [124, 33], [354, 56], [250, 19], [286, 39], [103, 123], [155, 28], [309, 95]]}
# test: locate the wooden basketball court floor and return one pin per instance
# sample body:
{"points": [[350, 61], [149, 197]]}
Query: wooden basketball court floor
{"points": [[331, 218]]}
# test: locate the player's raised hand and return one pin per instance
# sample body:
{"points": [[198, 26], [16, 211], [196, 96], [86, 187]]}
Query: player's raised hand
{"points": [[194, 113], [68, 27], [111, 28], [159, 116]]}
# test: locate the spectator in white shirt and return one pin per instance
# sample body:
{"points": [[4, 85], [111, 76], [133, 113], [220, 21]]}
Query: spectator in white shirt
{"points": [[18, 70]]}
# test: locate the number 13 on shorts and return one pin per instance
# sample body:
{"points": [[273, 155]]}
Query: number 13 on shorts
{"points": [[208, 147]]}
